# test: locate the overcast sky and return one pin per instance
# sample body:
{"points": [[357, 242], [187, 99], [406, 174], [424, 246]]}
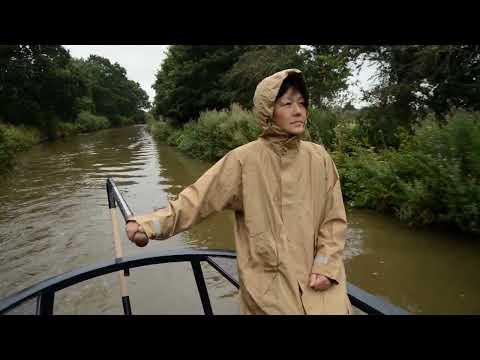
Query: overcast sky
{"points": [[143, 61]]}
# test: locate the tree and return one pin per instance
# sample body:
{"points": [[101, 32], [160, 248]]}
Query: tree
{"points": [[190, 80], [37, 85], [197, 78], [112, 94], [451, 77], [254, 65], [416, 79], [326, 69]]}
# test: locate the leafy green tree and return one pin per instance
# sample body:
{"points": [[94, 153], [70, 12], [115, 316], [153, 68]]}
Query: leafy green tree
{"points": [[417, 79], [326, 69], [451, 77], [190, 80], [110, 92], [197, 78], [37, 85], [259, 62]]}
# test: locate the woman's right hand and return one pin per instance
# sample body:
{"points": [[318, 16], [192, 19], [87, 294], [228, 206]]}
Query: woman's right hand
{"points": [[136, 234]]}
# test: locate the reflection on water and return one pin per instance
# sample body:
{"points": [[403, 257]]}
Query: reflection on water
{"points": [[55, 218], [423, 271]]}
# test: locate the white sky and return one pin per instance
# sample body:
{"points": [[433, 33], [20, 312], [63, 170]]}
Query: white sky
{"points": [[143, 61], [362, 80]]}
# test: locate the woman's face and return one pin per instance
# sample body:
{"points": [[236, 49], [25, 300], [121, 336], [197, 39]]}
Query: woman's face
{"points": [[290, 112]]}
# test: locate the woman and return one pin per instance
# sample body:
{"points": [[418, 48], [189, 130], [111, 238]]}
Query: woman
{"points": [[290, 219]]}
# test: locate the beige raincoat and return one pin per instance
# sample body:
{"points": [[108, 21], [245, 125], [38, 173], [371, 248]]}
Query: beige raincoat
{"points": [[289, 216]]}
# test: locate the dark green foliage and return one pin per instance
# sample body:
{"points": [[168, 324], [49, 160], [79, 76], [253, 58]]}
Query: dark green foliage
{"points": [[190, 80], [110, 92], [417, 79], [321, 127], [434, 176], [213, 135], [254, 65], [326, 70], [37, 85], [13, 140], [41, 86], [87, 122], [200, 78], [431, 178]]}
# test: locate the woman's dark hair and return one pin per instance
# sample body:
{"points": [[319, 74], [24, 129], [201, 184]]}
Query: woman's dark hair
{"points": [[294, 81]]}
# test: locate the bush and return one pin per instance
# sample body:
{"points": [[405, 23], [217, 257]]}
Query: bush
{"points": [[217, 132], [445, 179], [368, 181], [125, 121], [321, 127], [213, 135], [161, 129], [87, 122], [15, 139], [149, 118], [66, 129], [380, 127], [336, 130], [433, 177]]}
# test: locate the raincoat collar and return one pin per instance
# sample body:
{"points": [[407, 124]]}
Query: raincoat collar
{"points": [[280, 141]]}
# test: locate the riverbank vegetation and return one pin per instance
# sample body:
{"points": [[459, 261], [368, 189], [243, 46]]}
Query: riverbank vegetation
{"points": [[46, 92], [414, 151]]}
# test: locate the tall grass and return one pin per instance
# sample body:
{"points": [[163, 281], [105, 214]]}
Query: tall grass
{"points": [[15, 139]]}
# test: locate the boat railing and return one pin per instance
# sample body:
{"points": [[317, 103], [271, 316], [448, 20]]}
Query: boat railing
{"points": [[43, 293]]}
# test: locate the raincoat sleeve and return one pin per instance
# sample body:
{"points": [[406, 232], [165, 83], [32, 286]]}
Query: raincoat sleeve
{"points": [[217, 189], [331, 235]]}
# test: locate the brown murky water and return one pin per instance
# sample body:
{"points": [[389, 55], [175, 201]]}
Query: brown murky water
{"points": [[54, 218]]}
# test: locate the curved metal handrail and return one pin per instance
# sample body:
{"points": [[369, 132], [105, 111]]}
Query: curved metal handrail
{"points": [[60, 282], [45, 290], [359, 298]]}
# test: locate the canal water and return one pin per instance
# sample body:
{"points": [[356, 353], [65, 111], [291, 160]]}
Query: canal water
{"points": [[55, 218]]}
